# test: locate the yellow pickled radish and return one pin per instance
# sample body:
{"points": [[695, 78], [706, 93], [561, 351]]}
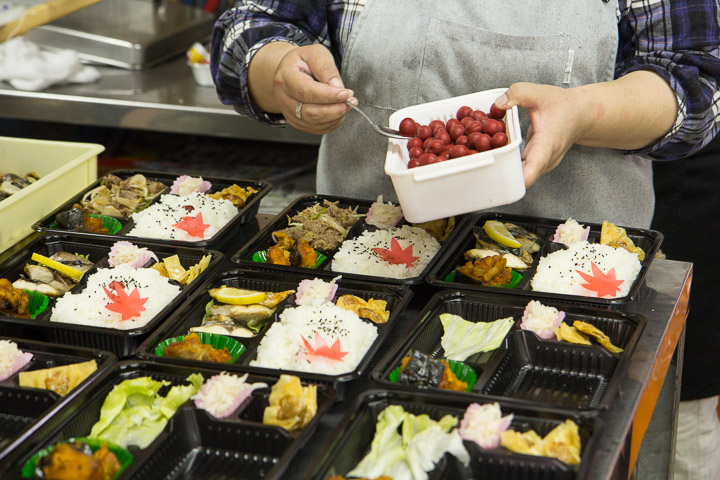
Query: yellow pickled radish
{"points": [[237, 296], [60, 267], [499, 232]]}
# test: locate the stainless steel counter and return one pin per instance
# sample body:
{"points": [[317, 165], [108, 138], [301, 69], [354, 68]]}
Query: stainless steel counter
{"points": [[164, 98]]}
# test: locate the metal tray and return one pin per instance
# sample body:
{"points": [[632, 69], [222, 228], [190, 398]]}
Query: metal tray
{"points": [[131, 34]]}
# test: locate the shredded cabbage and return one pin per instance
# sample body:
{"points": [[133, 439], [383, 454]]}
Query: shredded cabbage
{"points": [[383, 215]]}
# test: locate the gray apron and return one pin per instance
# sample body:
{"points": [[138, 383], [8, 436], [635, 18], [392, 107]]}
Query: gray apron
{"points": [[404, 52]]}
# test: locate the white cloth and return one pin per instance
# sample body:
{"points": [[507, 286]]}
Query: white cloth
{"points": [[697, 451], [26, 67]]}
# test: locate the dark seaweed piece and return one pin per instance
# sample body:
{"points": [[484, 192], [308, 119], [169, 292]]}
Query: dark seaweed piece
{"points": [[71, 219], [422, 371]]}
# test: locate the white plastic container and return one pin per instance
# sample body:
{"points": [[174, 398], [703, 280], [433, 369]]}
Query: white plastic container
{"points": [[64, 168], [460, 185], [201, 74]]}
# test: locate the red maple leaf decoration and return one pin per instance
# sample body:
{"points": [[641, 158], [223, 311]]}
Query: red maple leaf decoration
{"points": [[603, 284], [397, 255], [128, 306], [192, 225], [322, 350]]}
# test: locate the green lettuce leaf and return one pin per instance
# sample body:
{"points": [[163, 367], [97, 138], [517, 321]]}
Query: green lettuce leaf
{"points": [[463, 339], [134, 414]]}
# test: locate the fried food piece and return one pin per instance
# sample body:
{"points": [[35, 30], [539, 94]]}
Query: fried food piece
{"points": [[440, 229], [192, 349], [13, 301], [597, 334], [283, 240], [563, 443], [67, 462], [236, 194], [614, 236], [278, 256], [569, 334], [374, 310], [307, 256], [450, 381], [529, 443], [291, 406], [489, 271], [108, 461], [60, 379]]}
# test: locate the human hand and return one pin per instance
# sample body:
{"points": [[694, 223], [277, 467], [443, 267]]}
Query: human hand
{"points": [[557, 121], [309, 75]]}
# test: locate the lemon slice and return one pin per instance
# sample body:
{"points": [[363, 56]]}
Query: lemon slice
{"points": [[237, 296], [498, 232], [60, 267]]}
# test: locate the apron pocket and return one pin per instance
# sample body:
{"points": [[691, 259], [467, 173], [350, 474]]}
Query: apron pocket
{"points": [[460, 59]]}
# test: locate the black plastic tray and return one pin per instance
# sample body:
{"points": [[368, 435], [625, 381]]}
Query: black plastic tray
{"points": [[23, 409], [263, 240], [120, 342], [193, 445], [245, 214], [648, 240], [192, 312], [526, 369], [351, 440]]}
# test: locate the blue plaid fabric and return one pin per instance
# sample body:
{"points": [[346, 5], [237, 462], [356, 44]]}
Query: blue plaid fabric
{"points": [[679, 40]]}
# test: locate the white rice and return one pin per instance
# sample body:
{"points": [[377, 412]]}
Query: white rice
{"points": [[88, 306], [158, 219], [556, 272], [282, 346], [357, 255]]}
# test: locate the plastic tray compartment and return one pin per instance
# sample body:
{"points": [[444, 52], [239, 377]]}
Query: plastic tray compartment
{"points": [[193, 445], [245, 214], [648, 240], [63, 167], [120, 342], [263, 240], [351, 440], [525, 368], [22, 409], [192, 312]]}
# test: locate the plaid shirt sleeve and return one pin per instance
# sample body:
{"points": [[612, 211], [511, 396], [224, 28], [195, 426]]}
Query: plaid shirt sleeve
{"points": [[679, 40], [241, 31]]}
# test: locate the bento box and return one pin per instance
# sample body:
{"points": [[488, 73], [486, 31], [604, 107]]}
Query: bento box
{"points": [[119, 222], [24, 408], [520, 365], [193, 444], [351, 441], [94, 255], [353, 251], [588, 272], [283, 324], [62, 168], [460, 185]]}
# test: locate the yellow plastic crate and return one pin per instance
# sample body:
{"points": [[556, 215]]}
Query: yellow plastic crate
{"points": [[64, 168]]}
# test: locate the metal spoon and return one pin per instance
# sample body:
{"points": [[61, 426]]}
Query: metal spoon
{"points": [[388, 132]]}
